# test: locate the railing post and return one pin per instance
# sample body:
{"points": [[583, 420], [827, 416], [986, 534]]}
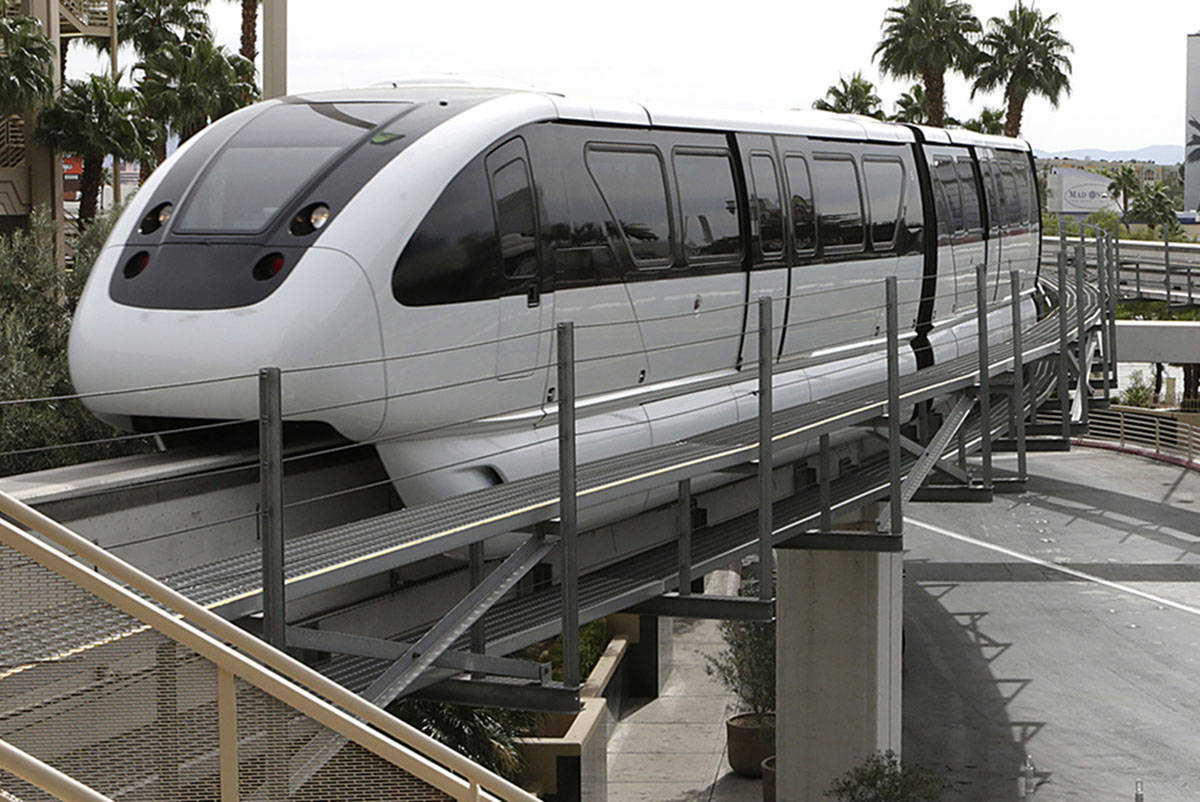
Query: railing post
{"points": [[1081, 338], [567, 503], [1018, 401], [1121, 425], [270, 504], [985, 379], [227, 735], [1103, 267], [1167, 263], [895, 495], [1114, 277], [824, 470], [685, 537], [1157, 436], [1064, 356], [766, 495]]}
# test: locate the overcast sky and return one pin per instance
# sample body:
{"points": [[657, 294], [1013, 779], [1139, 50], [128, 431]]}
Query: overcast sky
{"points": [[1129, 61]]}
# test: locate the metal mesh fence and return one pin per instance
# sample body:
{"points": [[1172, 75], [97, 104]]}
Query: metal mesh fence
{"points": [[136, 716]]}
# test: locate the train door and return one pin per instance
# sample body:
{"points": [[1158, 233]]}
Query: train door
{"points": [[523, 318], [995, 241], [769, 275], [956, 196]]}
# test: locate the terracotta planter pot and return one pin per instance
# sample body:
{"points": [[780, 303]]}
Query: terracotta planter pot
{"points": [[768, 773], [751, 741]]}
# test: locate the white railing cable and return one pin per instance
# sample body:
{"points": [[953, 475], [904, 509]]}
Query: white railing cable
{"points": [[295, 683]]}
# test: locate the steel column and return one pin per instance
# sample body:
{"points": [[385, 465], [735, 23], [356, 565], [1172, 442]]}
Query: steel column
{"points": [[1081, 338], [985, 379], [895, 490], [1064, 357], [475, 568], [825, 471], [1018, 402], [685, 537], [270, 504], [1167, 263], [1103, 269], [568, 509], [766, 484]]}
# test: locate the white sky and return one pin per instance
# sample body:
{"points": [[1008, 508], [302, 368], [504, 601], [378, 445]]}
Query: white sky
{"points": [[1129, 61]]}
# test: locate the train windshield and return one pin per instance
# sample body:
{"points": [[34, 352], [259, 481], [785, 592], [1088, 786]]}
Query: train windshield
{"points": [[273, 156]]}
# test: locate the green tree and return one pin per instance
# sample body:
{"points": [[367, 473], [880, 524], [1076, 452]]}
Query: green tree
{"points": [[1153, 205], [1124, 182], [26, 79], [1193, 143], [882, 778], [854, 96], [91, 119], [151, 25], [923, 39], [989, 121], [910, 107], [1025, 54]]}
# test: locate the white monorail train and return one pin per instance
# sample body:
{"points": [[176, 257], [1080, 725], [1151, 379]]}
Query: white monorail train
{"points": [[426, 236]]}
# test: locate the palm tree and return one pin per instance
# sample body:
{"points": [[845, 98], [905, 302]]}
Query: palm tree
{"points": [[856, 96], [989, 121], [925, 38], [150, 25], [26, 71], [1152, 204], [910, 107], [1027, 56], [250, 29], [92, 119], [1193, 143], [1125, 182]]}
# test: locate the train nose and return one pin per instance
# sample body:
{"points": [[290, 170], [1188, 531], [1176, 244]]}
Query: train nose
{"points": [[320, 326]]}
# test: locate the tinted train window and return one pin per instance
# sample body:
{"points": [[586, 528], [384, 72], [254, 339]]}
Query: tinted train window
{"points": [[972, 217], [452, 255], [987, 169], [804, 227], [767, 207], [1010, 205], [1024, 189], [945, 174], [885, 191], [515, 219], [633, 184], [708, 201], [839, 202]]}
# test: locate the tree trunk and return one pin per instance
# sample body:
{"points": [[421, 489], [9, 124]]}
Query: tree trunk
{"points": [[1191, 386], [935, 98], [62, 59], [89, 188], [250, 29], [1016, 108], [1158, 381], [147, 166]]}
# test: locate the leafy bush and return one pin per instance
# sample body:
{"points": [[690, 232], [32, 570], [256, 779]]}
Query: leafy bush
{"points": [[1137, 393], [882, 778], [37, 300], [593, 640], [747, 665], [485, 735]]}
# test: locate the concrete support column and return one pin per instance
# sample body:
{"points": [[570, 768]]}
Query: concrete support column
{"points": [[839, 617], [274, 49]]}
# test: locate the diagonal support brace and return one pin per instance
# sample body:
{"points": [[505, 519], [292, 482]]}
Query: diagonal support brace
{"points": [[930, 457]]}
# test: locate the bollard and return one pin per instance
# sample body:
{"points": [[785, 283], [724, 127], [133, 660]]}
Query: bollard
{"points": [[1138, 796], [1029, 769]]}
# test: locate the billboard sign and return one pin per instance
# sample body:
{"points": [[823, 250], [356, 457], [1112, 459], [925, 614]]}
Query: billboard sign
{"points": [[1070, 191]]}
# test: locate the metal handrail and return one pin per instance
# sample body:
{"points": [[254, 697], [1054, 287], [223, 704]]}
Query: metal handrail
{"points": [[45, 777], [290, 681], [1147, 433]]}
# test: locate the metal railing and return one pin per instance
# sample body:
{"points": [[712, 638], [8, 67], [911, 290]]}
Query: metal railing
{"points": [[1146, 432], [115, 680], [1149, 271]]}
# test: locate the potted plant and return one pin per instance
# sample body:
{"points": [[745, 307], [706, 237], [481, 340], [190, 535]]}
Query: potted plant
{"points": [[882, 778], [747, 668]]}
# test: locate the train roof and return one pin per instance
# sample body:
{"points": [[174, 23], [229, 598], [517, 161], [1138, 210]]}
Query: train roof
{"points": [[805, 122]]}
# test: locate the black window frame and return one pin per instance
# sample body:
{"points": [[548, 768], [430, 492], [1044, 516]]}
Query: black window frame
{"points": [[840, 156], [639, 265], [709, 260]]}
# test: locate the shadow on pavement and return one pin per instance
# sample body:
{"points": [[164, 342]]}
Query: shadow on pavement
{"points": [[956, 720]]}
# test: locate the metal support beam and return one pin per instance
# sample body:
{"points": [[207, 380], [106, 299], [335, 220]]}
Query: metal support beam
{"points": [[1064, 355], [913, 447], [895, 521], [825, 477], [685, 537], [515, 696], [928, 459], [274, 48], [985, 379], [766, 462], [421, 655], [324, 640], [475, 570], [568, 504], [1018, 385], [270, 504], [721, 608], [1081, 338], [853, 540]]}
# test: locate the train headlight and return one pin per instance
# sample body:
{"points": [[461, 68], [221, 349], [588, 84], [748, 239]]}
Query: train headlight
{"points": [[311, 218], [156, 218]]}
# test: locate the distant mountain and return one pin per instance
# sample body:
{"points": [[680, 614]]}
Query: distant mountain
{"points": [[1162, 154]]}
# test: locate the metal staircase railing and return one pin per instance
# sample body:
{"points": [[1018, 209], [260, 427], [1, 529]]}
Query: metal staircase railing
{"points": [[124, 686]]}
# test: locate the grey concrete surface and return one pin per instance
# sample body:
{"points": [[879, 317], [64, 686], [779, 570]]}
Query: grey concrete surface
{"points": [[1005, 657]]}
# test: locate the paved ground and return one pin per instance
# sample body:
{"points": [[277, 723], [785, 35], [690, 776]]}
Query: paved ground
{"points": [[1006, 657]]}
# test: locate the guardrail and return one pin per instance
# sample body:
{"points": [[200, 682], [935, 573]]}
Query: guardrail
{"points": [[1146, 432], [1152, 271]]}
